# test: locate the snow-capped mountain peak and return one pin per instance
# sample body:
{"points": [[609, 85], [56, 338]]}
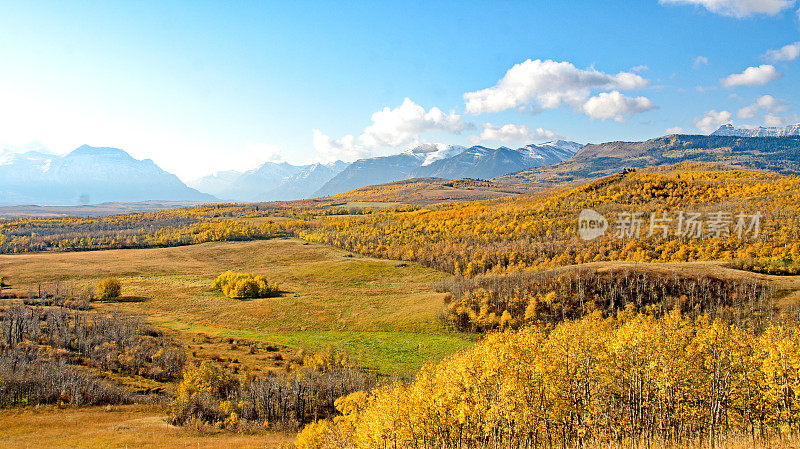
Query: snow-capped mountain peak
{"points": [[761, 131], [429, 153]]}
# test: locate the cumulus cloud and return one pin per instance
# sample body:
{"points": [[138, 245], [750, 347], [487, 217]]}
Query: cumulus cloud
{"points": [[786, 53], [389, 128], [676, 130], [330, 150], [617, 106], [548, 84], [512, 133], [752, 76], [737, 8], [764, 103], [712, 120], [403, 124], [700, 61], [776, 120]]}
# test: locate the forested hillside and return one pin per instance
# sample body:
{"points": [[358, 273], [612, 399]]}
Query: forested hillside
{"points": [[540, 231], [777, 154]]}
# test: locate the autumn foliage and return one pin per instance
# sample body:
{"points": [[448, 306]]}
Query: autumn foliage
{"points": [[540, 231], [245, 285], [513, 300], [628, 379], [109, 288]]}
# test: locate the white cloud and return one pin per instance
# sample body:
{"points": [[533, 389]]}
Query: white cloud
{"points": [[617, 106], [774, 120], [330, 150], [403, 124], [676, 130], [712, 120], [765, 103], [752, 76], [786, 53], [512, 133], [700, 61], [393, 128], [738, 8], [547, 83], [640, 68]]}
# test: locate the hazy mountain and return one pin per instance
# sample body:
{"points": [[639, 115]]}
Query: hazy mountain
{"points": [[88, 175], [217, 183], [375, 170], [449, 162], [306, 182], [779, 154], [269, 182], [782, 131]]}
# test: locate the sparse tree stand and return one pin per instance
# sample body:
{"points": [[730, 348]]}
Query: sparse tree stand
{"points": [[109, 288]]}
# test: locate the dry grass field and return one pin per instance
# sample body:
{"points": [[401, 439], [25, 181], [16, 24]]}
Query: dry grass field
{"points": [[131, 426], [381, 311]]}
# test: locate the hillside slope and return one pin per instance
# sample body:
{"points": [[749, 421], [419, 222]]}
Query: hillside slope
{"points": [[448, 162], [776, 154]]}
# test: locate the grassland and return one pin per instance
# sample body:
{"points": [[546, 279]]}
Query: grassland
{"points": [[132, 426], [381, 311]]}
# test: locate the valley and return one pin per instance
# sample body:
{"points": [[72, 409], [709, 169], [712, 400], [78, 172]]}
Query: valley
{"points": [[394, 281], [385, 225]]}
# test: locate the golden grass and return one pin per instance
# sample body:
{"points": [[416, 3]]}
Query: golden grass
{"points": [[133, 426], [348, 299], [322, 289]]}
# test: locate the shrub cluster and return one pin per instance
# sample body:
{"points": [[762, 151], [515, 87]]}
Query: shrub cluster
{"points": [[245, 285], [111, 342], [209, 396], [29, 377], [109, 288]]}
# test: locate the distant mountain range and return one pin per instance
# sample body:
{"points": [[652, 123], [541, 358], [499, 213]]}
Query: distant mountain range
{"points": [[269, 182], [91, 175], [449, 162], [88, 175], [784, 131], [778, 154]]}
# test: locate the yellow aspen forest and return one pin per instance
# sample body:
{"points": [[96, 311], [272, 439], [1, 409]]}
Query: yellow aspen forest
{"points": [[633, 379], [539, 231]]}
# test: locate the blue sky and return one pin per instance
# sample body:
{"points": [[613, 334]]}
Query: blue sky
{"points": [[205, 86]]}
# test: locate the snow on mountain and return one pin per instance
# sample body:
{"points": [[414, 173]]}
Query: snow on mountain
{"points": [[552, 152], [432, 152], [271, 181], [87, 175], [784, 131], [445, 161]]}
